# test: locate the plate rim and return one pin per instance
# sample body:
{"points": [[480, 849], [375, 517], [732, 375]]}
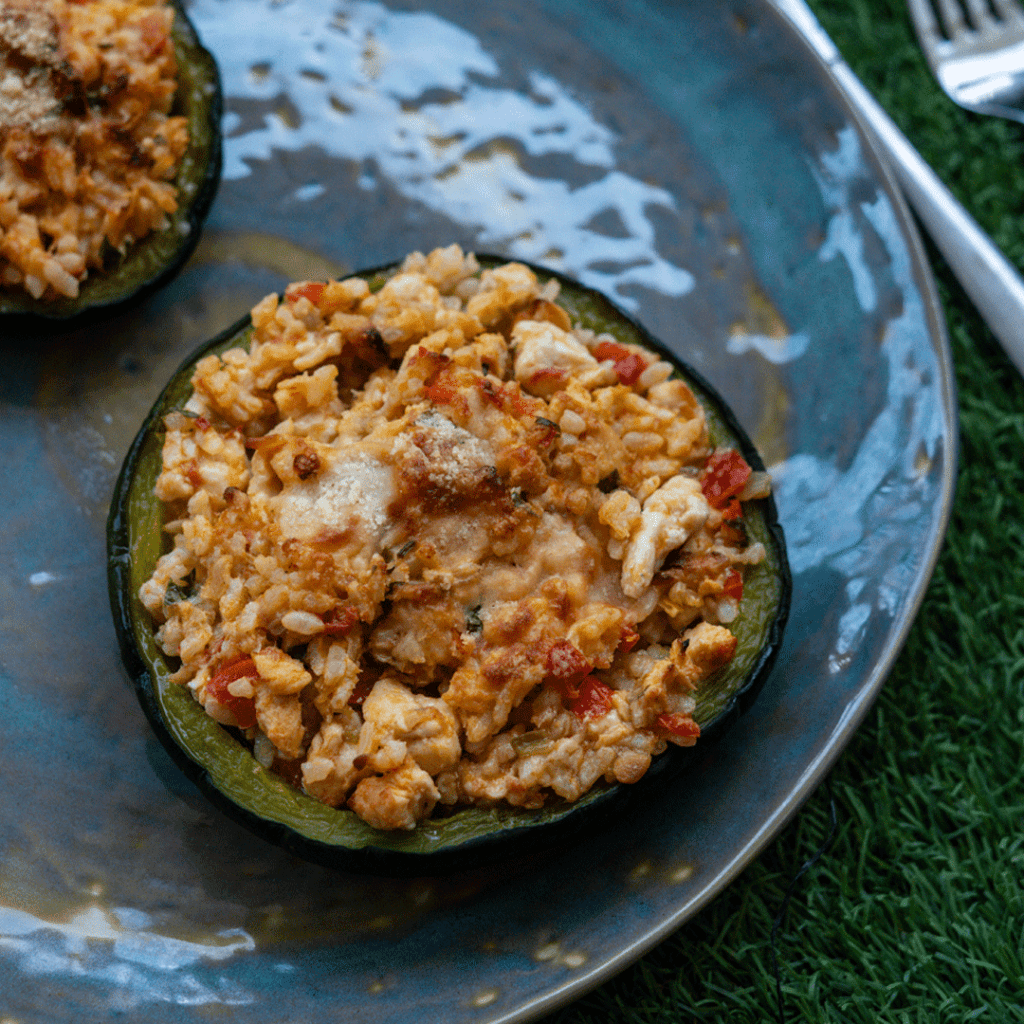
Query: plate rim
{"points": [[899, 630]]}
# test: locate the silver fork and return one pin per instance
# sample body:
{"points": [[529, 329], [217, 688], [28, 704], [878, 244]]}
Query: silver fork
{"points": [[976, 51], [993, 284]]}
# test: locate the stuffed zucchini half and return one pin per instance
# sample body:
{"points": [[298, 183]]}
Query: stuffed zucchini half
{"points": [[114, 178], [441, 564]]}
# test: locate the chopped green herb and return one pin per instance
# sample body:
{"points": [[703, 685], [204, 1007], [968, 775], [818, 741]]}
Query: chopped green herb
{"points": [[518, 499], [184, 590]]}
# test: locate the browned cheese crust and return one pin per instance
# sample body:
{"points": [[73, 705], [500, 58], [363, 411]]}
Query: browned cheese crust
{"points": [[88, 151], [430, 549]]}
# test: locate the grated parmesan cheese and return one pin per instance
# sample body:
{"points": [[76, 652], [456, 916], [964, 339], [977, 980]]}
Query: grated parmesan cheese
{"points": [[353, 492]]}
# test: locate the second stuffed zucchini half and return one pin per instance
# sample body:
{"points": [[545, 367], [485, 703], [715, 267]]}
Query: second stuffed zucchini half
{"points": [[111, 160]]}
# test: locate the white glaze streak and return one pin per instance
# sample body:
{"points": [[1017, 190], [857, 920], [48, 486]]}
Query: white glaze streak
{"points": [[366, 68]]}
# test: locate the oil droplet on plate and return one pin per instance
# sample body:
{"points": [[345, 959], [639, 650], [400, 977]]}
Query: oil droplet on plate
{"points": [[485, 998], [551, 952], [681, 874], [640, 872]]}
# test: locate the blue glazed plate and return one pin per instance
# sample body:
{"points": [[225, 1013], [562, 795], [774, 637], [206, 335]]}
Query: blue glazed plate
{"points": [[696, 163]]}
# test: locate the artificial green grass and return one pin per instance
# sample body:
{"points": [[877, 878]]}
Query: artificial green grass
{"points": [[917, 912]]}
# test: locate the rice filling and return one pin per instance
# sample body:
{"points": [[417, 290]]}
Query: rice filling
{"points": [[436, 545]]}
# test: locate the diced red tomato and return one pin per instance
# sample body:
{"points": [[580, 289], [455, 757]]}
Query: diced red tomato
{"points": [[733, 586], [628, 364], [679, 725], [311, 290], [724, 477], [339, 621], [237, 668], [610, 350], [442, 392], [628, 639], [566, 668], [733, 510], [548, 375], [595, 699], [243, 708], [628, 370]]}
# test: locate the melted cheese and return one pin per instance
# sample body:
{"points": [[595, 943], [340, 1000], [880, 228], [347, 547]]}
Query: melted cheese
{"points": [[353, 493], [543, 346]]}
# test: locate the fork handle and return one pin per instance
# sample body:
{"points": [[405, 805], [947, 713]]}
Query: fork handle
{"points": [[987, 276], [994, 286]]}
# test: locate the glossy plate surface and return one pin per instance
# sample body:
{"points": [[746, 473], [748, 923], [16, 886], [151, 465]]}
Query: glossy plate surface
{"points": [[692, 160]]}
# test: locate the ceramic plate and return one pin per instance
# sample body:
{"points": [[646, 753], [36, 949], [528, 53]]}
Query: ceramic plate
{"points": [[692, 160]]}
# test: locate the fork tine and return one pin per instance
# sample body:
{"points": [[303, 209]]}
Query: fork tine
{"points": [[952, 18], [1009, 11], [979, 14], [924, 17], [975, 49], [925, 23]]}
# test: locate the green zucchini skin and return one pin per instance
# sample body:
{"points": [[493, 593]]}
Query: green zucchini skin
{"points": [[154, 260], [471, 838]]}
